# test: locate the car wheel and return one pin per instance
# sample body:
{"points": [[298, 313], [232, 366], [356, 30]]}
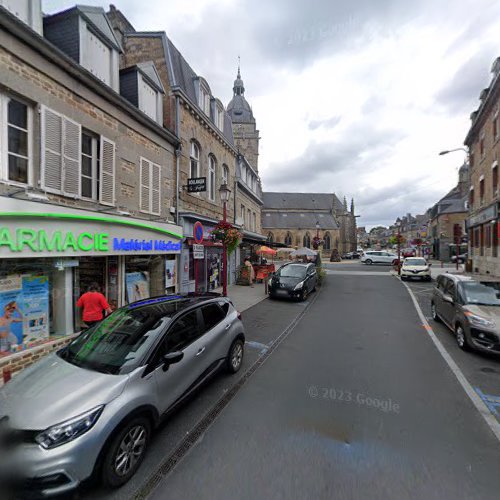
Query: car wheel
{"points": [[434, 313], [126, 453], [235, 356], [461, 339], [369, 262]]}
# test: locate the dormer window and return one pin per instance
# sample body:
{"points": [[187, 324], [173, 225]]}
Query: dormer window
{"points": [[219, 116], [28, 11], [204, 98]]}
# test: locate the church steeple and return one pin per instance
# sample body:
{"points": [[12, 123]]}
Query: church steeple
{"points": [[239, 87], [352, 206]]}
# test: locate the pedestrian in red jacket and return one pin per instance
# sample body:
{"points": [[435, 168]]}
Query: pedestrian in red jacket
{"points": [[93, 303]]}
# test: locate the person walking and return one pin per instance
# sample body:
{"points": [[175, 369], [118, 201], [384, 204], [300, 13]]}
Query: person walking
{"points": [[93, 303], [251, 272]]}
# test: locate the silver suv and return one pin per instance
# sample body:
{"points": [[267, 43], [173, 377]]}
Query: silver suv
{"points": [[92, 407], [470, 308]]}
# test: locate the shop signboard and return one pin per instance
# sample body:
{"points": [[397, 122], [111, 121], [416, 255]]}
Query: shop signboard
{"points": [[197, 184], [24, 311], [169, 273], [484, 216], [137, 286]]}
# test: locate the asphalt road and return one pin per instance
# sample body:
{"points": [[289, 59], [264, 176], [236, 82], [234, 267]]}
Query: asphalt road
{"points": [[355, 403]]}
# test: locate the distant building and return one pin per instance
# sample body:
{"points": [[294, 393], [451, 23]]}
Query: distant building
{"points": [[294, 219], [448, 211], [483, 141]]}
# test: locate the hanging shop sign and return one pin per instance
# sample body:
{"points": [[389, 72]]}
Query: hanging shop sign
{"points": [[197, 184], [68, 234]]}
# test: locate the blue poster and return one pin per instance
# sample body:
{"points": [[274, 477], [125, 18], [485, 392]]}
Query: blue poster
{"points": [[24, 311], [137, 286]]}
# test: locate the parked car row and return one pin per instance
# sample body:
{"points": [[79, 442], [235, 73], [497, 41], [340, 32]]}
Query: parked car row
{"points": [[91, 408]]}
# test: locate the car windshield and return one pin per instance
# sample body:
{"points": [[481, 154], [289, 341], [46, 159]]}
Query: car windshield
{"points": [[117, 344], [485, 293], [415, 262], [293, 271]]}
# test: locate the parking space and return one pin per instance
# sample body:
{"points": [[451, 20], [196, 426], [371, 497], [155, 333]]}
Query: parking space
{"points": [[482, 370]]}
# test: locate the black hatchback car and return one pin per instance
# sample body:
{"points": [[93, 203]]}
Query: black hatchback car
{"points": [[293, 281]]}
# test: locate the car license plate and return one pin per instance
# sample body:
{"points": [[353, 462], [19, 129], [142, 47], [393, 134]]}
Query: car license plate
{"points": [[282, 292]]}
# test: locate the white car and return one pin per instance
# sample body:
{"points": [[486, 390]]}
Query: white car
{"points": [[379, 257], [416, 267]]}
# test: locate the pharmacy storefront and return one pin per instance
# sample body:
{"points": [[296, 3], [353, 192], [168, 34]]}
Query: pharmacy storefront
{"points": [[49, 255]]}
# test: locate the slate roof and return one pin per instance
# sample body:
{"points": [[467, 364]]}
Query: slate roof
{"points": [[181, 74], [453, 205], [149, 69], [239, 110], [96, 16], [302, 201], [295, 220]]}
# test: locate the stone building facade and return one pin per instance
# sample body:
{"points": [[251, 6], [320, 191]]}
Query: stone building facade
{"points": [[86, 178], [295, 219], [483, 141]]}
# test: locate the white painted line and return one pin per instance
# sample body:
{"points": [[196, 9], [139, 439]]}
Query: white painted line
{"points": [[480, 405]]}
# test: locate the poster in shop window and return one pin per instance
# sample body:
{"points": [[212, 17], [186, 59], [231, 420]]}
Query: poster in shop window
{"points": [[169, 273], [137, 286], [24, 311]]}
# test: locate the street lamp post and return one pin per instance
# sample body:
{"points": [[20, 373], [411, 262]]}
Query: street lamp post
{"points": [[224, 196]]}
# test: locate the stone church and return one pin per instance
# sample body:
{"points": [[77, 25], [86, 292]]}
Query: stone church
{"points": [[295, 219]]}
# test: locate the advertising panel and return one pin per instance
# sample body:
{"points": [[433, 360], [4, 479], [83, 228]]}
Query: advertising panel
{"points": [[169, 273], [137, 286]]}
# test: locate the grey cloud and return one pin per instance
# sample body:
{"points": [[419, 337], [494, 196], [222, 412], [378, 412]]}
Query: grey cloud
{"points": [[461, 94], [328, 123]]}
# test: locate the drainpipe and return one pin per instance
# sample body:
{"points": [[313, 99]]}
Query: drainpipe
{"points": [[177, 160]]}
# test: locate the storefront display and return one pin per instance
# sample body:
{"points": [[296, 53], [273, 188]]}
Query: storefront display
{"points": [[170, 278], [137, 286]]}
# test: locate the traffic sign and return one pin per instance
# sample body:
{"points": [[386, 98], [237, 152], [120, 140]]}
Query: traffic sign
{"points": [[198, 252], [198, 232]]}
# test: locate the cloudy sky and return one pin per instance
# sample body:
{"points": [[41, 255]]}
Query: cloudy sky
{"points": [[355, 97]]}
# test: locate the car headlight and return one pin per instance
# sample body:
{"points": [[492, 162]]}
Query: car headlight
{"points": [[479, 321], [68, 430], [298, 286]]}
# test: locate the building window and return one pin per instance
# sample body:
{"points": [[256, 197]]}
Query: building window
{"points": [[270, 238], [495, 179], [150, 182], [96, 57], [148, 99], [471, 198], [220, 118], [306, 241], [481, 239], [17, 139], [254, 221], [204, 99], [225, 174], [242, 214], [249, 220], [194, 166], [288, 239], [90, 165], [481, 191], [326, 241], [481, 147], [211, 178], [495, 128]]}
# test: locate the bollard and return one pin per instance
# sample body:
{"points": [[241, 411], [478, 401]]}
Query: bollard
{"points": [[7, 375]]}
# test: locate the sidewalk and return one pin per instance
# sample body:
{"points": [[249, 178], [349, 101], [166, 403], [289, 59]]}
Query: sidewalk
{"points": [[244, 297]]}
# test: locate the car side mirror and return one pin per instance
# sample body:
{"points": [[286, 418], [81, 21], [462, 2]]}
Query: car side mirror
{"points": [[448, 299], [171, 358]]}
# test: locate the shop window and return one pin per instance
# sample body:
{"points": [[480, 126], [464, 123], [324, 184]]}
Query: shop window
{"points": [[150, 181], [16, 155], [144, 276], [488, 235]]}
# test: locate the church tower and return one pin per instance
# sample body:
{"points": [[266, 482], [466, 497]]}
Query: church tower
{"points": [[245, 131]]}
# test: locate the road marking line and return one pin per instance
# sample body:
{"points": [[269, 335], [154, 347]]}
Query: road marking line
{"points": [[477, 401]]}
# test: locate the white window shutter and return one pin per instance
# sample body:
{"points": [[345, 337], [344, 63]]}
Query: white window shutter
{"points": [[51, 151], [72, 149], [155, 189], [107, 174], [145, 185]]}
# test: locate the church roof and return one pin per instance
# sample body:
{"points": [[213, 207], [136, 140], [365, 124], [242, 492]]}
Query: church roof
{"points": [[304, 201], [238, 108], [298, 220]]}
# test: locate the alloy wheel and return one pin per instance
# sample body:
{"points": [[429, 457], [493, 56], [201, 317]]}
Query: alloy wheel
{"points": [[237, 355], [130, 450]]}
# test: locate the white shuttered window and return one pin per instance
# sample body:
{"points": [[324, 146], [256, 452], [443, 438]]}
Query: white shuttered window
{"points": [[107, 173], [61, 154], [150, 184]]}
